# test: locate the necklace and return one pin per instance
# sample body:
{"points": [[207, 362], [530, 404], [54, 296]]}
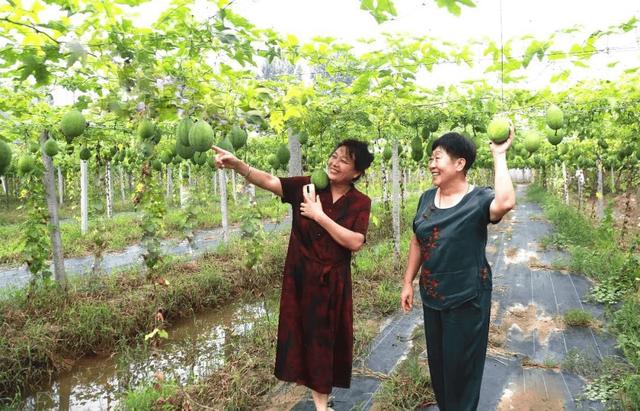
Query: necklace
{"points": [[440, 194]]}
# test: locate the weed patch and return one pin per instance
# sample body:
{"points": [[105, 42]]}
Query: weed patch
{"points": [[597, 251], [578, 318], [409, 387]]}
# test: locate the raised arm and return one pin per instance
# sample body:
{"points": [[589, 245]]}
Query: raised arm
{"points": [[262, 179], [505, 198]]}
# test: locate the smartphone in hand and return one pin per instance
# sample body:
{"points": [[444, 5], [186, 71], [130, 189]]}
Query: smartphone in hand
{"points": [[309, 191]]}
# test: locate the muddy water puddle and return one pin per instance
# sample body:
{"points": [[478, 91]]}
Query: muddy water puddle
{"points": [[195, 349]]}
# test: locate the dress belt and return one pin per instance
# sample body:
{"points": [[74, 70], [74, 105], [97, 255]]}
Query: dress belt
{"points": [[328, 266]]}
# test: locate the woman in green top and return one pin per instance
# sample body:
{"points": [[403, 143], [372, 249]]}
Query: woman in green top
{"points": [[448, 247]]}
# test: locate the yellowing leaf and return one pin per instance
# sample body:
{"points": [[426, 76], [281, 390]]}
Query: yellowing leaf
{"points": [[36, 8], [34, 39], [323, 49], [307, 48], [291, 41], [276, 120], [292, 112], [560, 76], [151, 334], [578, 63]]}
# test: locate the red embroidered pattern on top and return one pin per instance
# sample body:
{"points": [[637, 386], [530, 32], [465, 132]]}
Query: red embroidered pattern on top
{"points": [[426, 246], [484, 274]]}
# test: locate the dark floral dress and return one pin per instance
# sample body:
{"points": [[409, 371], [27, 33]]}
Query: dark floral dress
{"points": [[315, 330]]}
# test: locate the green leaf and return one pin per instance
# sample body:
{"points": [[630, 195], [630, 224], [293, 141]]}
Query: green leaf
{"points": [[30, 62], [9, 56], [366, 5], [629, 25], [56, 25], [557, 55], [560, 76], [83, 102], [362, 83], [237, 20], [132, 3], [386, 6], [52, 52], [151, 334], [381, 10], [452, 5], [536, 48]]}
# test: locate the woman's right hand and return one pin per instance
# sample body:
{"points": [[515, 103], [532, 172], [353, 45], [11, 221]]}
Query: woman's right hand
{"points": [[225, 159], [406, 298]]}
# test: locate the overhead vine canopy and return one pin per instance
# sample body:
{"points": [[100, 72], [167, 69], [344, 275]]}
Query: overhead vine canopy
{"points": [[226, 70]]}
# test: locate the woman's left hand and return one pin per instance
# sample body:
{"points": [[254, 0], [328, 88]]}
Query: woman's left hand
{"points": [[504, 146], [311, 208]]}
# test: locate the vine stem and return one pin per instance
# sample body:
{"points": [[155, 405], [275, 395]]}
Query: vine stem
{"points": [[31, 26]]}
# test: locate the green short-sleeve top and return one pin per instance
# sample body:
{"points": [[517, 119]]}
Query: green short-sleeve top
{"points": [[454, 266]]}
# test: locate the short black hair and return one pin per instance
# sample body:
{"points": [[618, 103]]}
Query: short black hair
{"points": [[457, 146], [359, 152]]}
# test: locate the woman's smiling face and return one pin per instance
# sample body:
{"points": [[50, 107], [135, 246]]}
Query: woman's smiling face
{"points": [[443, 167], [341, 166]]}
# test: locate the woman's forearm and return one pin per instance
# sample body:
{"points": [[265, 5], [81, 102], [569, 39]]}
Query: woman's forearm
{"points": [[413, 262], [260, 178], [348, 239], [505, 194]]}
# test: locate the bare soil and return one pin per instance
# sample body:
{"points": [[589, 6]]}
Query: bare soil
{"points": [[284, 398], [514, 255], [533, 398], [529, 320]]}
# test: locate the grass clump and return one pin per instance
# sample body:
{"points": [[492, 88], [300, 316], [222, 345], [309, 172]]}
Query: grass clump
{"points": [[409, 387], [578, 318], [153, 396]]}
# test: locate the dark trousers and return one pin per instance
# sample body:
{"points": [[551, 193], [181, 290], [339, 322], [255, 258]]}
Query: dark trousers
{"points": [[456, 347]]}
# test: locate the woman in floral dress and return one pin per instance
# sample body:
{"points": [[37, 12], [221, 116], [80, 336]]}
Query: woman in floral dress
{"points": [[315, 329]]}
